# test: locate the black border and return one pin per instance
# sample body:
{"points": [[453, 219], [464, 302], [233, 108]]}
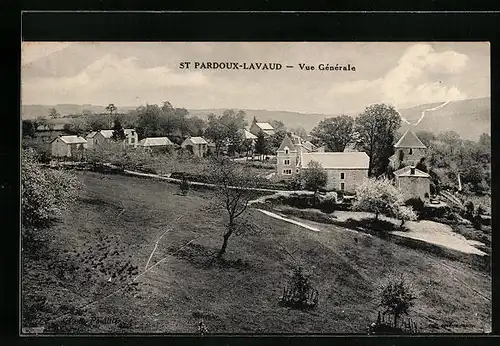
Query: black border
{"points": [[225, 26]]}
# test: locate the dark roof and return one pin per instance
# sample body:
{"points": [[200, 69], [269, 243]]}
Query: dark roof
{"points": [[409, 140]]}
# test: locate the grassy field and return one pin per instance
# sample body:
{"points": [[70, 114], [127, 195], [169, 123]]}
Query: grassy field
{"points": [[107, 238]]}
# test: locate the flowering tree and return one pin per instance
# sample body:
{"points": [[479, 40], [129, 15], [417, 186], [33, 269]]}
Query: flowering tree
{"points": [[315, 177]]}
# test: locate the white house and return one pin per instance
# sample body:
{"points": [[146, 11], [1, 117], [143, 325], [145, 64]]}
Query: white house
{"points": [[68, 146], [98, 137], [258, 127], [198, 144]]}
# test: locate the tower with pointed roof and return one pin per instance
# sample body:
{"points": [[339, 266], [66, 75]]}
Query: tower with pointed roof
{"points": [[287, 157], [409, 150]]}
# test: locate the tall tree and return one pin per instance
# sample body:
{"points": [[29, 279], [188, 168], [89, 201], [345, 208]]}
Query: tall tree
{"points": [[334, 133], [216, 132], [118, 132], [149, 121], [227, 175], [111, 108], [377, 127], [261, 147], [54, 114], [29, 128]]}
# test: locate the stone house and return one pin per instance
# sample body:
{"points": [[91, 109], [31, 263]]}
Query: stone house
{"points": [[413, 183], [198, 144], [68, 146], [345, 170]]}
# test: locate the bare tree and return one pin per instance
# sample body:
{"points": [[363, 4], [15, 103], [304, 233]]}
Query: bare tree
{"points": [[232, 195]]}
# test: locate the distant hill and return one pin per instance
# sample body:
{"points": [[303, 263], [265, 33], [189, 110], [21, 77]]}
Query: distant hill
{"points": [[469, 117], [35, 111]]}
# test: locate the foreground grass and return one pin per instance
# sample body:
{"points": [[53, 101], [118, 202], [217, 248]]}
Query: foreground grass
{"points": [[117, 220]]}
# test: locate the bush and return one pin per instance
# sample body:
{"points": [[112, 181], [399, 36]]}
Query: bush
{"points": [[397, 298], [315, 177], [184, 186], [299, 293], [45, 193], [416, 203]]}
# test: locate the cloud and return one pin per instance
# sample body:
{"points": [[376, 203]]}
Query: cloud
{"points": [[109, 73], [32, 51], [419, 77]]}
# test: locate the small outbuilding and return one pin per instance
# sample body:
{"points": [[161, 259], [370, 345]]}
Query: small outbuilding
{"points": [[68, 146], [413, 183], [198, 144], [156, 143]]}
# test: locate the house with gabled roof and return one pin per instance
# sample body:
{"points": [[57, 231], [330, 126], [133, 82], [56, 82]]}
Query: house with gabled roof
{"points": [[345, 170], [413, 183], [68, 146], [198, 145], [409, 150], [264, 127], [155, 144], [99, 137]]}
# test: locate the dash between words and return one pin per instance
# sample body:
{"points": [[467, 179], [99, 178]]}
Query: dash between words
{"points": [[271, 66]]}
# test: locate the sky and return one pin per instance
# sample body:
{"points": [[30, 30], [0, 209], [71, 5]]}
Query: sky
{"points": [[403, 74]]}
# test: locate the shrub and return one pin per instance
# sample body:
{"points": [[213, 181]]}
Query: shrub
{"points": [[416, 203], [45, 193], [296, 182], [184, 186], [299, 293], [378, 196], [397, 298]]}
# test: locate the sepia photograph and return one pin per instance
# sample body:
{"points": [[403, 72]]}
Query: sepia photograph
{"points": [[210, 188]]}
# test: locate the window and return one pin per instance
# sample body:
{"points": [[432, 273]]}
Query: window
{"points": [[286, 150], [342, 176], [410, 151], [342, 186], [287, 171], [132, 140], [287, 162]]}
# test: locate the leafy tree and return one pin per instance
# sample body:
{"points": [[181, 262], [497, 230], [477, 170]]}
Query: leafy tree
{"points": [[97, 122], [227, 175], [77, 126], [29, 128], [378, 196], [485, 140], [421, 165], [149, 121], [111, 108], [277, 125], [274, 141], [315, 177], [261, 147], [118, 132], [334, 133], [377, 127], [397, 298], [216, 132], [54, 114]]}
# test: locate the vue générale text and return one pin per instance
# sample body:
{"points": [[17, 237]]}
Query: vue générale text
{"points": [[271, 66]]}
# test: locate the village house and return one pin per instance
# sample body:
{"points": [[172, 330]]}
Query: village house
{"points": [[413, 183], [68, 146], [258, 127], [198, 144], [345, 170], [156, 144], [409, 150], [96, 138]]}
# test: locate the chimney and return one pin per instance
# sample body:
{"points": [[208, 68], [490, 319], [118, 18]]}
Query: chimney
{"points": [[412, 170]]}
